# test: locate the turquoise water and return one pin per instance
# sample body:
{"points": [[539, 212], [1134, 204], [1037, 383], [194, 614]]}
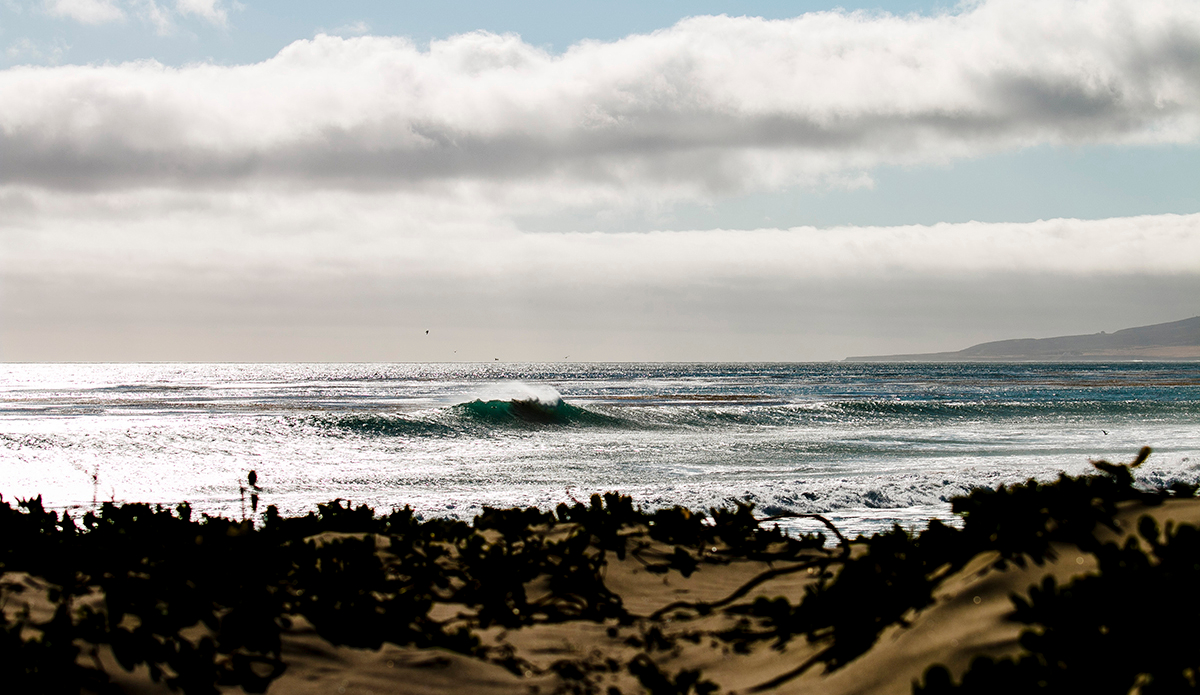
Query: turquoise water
{"points": [[867, 444]]}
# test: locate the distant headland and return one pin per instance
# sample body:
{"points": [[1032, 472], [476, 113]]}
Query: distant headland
{"points": [[1174, 341]]}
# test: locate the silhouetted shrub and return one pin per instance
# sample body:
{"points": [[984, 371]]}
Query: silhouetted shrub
{"points": [[374, 579]]}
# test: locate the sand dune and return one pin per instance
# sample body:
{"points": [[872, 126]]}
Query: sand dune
{"points": [[678, 630]]}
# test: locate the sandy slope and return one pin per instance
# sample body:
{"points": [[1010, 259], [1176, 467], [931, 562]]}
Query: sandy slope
{"points": [[968, 618]]}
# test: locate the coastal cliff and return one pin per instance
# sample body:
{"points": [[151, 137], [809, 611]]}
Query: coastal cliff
{"points": [[1176, 340]]}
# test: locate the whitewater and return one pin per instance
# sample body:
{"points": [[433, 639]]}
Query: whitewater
{"points": [[867, 445]]}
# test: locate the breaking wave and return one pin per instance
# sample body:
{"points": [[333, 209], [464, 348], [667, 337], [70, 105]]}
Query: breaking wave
{"points": [[532, 412], [533, 407], [485, 415]]}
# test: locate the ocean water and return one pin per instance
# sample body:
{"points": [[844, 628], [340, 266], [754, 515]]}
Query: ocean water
{"points": [[868, 445]]}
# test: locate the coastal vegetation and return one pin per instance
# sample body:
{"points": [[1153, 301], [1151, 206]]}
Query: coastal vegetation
{"points": [[203, 605]]}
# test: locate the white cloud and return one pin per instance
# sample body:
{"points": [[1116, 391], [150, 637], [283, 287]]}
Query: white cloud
{"points": [[712, 105], [155, 15], [412, 235], [150, 11], [211, 11], [372, 180], [282, 274], [86, 11], [358, 28], [25, 49]]}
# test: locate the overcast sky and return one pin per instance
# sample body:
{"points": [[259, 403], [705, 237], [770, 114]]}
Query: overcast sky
{"points": [[214, 180]]}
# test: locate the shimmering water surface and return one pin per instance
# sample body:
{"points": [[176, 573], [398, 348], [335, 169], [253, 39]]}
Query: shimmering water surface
{"points": [[867, 444]]}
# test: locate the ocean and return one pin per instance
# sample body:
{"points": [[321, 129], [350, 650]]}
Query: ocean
{"points": [[868, 445]]}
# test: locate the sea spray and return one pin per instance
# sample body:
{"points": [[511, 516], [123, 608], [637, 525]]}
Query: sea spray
{"points": [[541, 393]]}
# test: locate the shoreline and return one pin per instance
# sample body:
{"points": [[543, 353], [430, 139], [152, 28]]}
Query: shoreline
{"points": [[821, 439]]}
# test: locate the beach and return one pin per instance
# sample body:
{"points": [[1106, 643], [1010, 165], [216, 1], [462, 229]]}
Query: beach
{"points": [[604, 597]]}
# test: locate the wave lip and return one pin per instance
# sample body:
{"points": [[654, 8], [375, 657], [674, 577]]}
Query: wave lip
{"points": [[532, 411]]}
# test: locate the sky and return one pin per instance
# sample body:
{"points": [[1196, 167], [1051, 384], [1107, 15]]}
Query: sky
{"points": [[207, 180]]}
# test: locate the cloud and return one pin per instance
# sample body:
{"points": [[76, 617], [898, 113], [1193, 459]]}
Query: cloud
{"points": [[711, 106], [358, 28], [269, 274], [85, 11], [372, 182], [211, 11], [418, 237], [150, 11], [158, 17], [28, 49]]}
